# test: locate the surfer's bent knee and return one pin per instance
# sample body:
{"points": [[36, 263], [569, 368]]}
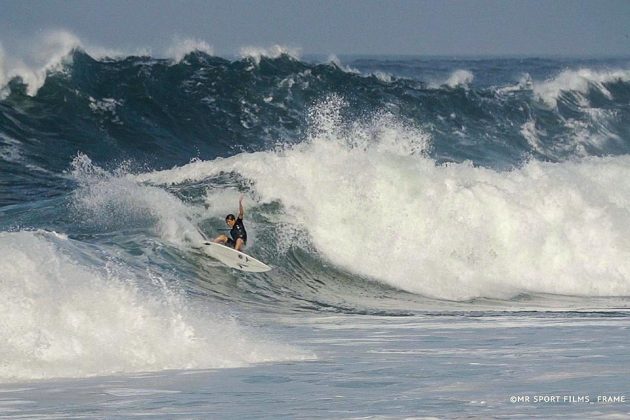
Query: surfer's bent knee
{"points": [[221, 239]]}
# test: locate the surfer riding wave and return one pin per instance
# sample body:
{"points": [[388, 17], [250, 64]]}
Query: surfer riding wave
{"points": [[238, 233]]}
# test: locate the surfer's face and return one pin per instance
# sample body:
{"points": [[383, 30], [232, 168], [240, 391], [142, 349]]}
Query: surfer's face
{"points": [[230, 223]]}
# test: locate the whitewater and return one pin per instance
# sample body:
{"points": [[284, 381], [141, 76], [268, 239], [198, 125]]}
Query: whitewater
{"points": [[445, 234]]}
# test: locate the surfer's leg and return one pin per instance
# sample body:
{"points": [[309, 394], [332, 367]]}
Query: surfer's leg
{"points": [[239, 244], [221, 239]]}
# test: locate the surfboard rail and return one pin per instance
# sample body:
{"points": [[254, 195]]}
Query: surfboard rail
{"points": [[233, 258]]}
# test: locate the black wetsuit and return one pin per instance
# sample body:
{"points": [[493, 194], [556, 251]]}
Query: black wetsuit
{"points": [[237, 231]]}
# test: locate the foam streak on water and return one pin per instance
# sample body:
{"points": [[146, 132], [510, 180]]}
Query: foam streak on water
{"points": [[449, 366]]}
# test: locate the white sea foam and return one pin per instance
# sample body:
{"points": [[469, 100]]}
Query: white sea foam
{"points": [[48, 54], [460, 78], [383, 77], [44, 54], [579, 82], [10, 149], [333, 59], [113, 199], [181, 47], [451, 231], [3, 76], [524, 83], [106, 107], [275, 51], [62, 316], [580, 137]]}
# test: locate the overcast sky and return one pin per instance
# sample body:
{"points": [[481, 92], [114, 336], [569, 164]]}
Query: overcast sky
{"points": [[430, 27]]}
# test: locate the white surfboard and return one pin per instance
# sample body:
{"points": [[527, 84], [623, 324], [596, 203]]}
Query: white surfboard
{"points": [[233, 258]]}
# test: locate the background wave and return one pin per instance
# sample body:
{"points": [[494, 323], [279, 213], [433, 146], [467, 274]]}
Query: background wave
{"points": [[163, 112]]}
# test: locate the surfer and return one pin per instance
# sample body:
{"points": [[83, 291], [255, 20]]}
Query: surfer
{"points": [[237, 231]]}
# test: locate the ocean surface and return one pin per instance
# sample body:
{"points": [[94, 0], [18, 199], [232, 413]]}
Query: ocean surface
{"points": [[450, 237]]}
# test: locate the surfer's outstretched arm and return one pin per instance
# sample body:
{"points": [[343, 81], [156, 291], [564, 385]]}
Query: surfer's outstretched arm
{"points": [[240, 207]]}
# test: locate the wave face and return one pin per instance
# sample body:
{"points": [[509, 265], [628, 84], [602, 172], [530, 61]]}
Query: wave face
{"points": [[379, 186], [452, 231]]}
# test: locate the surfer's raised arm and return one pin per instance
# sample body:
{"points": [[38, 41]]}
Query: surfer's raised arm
{"points": [[240, 207], [237, 229]]}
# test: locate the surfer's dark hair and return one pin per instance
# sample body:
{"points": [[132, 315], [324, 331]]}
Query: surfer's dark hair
{"points": [[229, 217]]}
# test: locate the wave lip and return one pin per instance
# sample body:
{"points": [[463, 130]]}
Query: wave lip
{"points": [[50, 52], [275, 51], [459, 78], [579, 82], [181, 48]]}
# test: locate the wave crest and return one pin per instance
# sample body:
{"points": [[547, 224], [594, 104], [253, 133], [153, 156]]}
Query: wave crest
{"points": [[182, 47], [275, 51], [579, 82]]}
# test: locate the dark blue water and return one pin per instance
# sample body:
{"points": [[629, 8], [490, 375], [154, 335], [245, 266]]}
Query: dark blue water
{"points": [[389, 188], [160, 113]]}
